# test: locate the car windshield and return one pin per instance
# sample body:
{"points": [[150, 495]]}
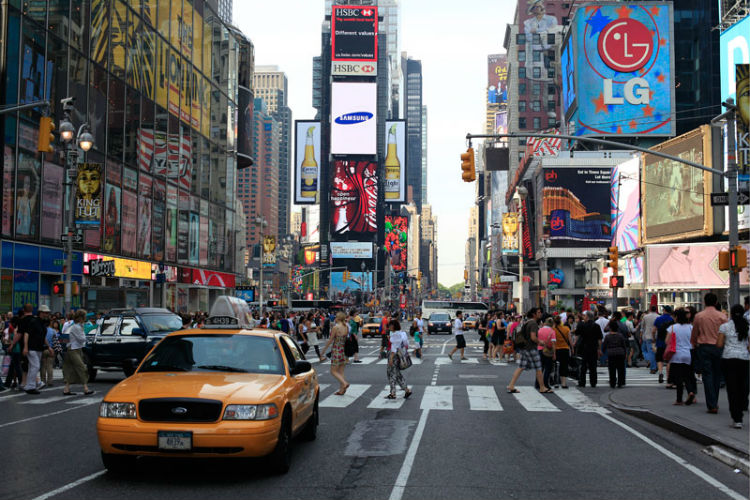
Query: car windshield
{"points": [[161, 323], [471, 318], [375, 320], [215, 353], [440, 317]]}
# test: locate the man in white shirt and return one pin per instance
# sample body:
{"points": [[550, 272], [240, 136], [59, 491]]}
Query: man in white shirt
{"points": [[458, 331]]}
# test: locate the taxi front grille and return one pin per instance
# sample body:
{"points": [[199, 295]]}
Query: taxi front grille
{"points": [[179, 410]]}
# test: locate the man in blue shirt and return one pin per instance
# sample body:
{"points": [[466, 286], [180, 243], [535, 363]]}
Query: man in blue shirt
{"points": [[660, 325]]}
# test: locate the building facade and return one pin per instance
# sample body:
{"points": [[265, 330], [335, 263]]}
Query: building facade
{"points": [[163, 166], [413, 113]]}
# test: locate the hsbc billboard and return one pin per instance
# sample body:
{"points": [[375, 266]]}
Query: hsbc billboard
{"points": [[618, 70], [354, 40]]}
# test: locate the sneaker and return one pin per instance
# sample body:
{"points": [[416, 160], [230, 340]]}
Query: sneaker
{"points": [[357, 360], [737, 425], [41, 386]]}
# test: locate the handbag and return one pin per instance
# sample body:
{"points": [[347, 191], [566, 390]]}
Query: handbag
{"points": [[671, 348], [403, 359]]}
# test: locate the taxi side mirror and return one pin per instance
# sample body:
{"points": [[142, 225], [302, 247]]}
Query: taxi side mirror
{"points": [[300, 367]]}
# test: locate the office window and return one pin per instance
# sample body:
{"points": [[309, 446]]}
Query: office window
{"points": [[521, 106], [536, 39], [550, 38], [551, 72], [537, 123], [521, 56], [522, 123], [552, 122], [536, 88], [536, 56], [536, 105], [521, 39], [537, 72], [551, 89], [521, 89], [522, 141], [550, 105], [521, 73], [520, 156]]}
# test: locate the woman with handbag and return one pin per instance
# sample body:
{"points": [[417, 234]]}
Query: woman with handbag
{"points": [[677, 354], [398, 354], [562, 350]]}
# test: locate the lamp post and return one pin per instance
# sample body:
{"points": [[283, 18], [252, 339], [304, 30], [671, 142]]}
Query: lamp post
{"points": [[261, 222], [519, 196], [543, 246], [85, 141]]}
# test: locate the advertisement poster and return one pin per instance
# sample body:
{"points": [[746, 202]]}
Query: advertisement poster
{"points": [[144, 216], [501, 123], [397, 242], [624, 70], [497, 79], [166, 155], [269, 250], [575, 206], [193, 253], [52, 201], [89, 194], [395, 161], [8, 190], [25, 286], [112, 229], [625, 199], [27, 196], [510, 233], [537, 25], [310, 228], [171, 224], [129, 221], [743, 119], [354, 40], [354, 197], [203, 251], [358, 281], [734, 49], [183, 237], [157, 222], [353, 118], [306, 162], [351, 250], [673, 198], [688, 266]]}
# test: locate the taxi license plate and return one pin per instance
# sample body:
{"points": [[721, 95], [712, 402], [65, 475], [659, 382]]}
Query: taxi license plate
{"points": [[169, 440]]}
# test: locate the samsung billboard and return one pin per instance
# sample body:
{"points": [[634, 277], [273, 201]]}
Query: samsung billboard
{"points": [[618, 70], [353, 118]]}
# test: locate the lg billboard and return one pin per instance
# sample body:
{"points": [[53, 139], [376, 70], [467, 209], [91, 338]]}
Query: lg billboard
{"points": [[353, 118]]}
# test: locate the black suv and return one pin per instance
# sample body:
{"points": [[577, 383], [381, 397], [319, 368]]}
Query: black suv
{"points": [[439, 323], [123, 339]]}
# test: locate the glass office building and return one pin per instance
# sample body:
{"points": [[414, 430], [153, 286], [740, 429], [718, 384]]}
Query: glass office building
{"points": [[157, 81]]}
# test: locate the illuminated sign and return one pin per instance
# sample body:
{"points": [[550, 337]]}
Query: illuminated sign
{"points": [[395, 161], [124, 268], [351, 250], [354, 40], [354, 197], [397, 241], [353, 118]]}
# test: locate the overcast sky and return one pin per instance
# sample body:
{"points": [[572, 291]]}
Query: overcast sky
{"points": [[452, 39]]}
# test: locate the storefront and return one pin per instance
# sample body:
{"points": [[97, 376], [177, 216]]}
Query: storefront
{"points": [[28, 272]]}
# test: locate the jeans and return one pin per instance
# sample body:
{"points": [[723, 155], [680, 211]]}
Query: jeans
{"points": [[15, 372], [710, 358], [682, 374], [35, 360], [736, 376], [648, 353], [616, 366]]}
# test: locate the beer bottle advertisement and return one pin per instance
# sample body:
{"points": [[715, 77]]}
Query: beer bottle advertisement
{"points": [[395, 161], [307, 162]]}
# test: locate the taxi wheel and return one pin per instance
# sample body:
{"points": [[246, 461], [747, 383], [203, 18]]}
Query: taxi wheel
{"points": [[311, 428], [281, 458], [118, 464]]}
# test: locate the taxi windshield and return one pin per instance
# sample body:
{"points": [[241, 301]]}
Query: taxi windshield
{"points": [[215, 353]]}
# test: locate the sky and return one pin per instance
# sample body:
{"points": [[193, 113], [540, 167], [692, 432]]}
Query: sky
{"points": [[452, 39]]}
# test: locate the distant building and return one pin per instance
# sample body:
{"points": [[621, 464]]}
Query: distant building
{"points": [[413, 112]]}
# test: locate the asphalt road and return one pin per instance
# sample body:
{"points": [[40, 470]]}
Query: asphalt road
{"points": [[459, 436]]}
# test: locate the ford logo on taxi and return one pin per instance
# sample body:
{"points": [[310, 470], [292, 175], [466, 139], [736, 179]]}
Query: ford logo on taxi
{"points": [[354, 118], [179, 410]]}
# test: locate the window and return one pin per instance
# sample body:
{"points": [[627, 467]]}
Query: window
{"points": [[551, 89], [522, 123], [537, 123], [550, 38], [537, 72], [536, 89], [551, 72], [565, 20], [550, 105], [521, 89], [536, 105], [521, 106], [521, 39], [522, 141], [536, 56], [126, 328], [521, 72], [520, 156], [521, 56], [552, 122]]}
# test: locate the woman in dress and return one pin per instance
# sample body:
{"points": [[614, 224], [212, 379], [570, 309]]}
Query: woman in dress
{"points": [[339, 332], [397, 340], [74, 369]]}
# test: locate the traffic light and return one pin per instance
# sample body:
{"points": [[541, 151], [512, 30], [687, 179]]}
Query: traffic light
{"points": [[737, 258], [58, 288], [724, 260], [616, 282], [46, 137], [613, 256], [346, 276], [74, 290], [467, 166], [419, 276], [466, 275]]}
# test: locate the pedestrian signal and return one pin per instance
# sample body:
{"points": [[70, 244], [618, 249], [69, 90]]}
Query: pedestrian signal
{"points": [[467, 166], [58, 288], [616, 282], [737, 258], [724, 260]]}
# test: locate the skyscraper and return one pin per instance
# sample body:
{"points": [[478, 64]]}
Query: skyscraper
{"points": [[225, 10], [413, 72], [424, 154], [271, 85]]}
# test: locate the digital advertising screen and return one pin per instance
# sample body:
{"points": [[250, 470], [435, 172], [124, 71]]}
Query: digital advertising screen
{"points": [[358, 281], [354, 197], [351, 249], [688, 266], [397, 241], [625, 198], [395, 161], [353, 118], [497, 79], [306, 162], [624, 69], [354, 40]]}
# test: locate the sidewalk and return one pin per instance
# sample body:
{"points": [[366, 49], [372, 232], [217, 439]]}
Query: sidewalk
{"points": [[654, 404]]}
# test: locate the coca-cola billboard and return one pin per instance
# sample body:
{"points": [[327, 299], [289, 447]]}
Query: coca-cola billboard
{"points": [[354, 197]]}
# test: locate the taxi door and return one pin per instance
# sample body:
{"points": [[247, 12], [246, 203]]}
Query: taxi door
{"points": [[301, 393]]}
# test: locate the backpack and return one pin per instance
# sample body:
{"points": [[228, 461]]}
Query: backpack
{"points": [[521, 337]]}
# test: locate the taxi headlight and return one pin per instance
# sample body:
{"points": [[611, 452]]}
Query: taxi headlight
{"points": [[430, 323], [251, 412], [117, 410]]}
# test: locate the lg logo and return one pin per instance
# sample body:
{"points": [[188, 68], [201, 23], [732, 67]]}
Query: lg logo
{"points": [[626, 45]]}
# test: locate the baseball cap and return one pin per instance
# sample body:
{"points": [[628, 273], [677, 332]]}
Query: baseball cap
{"points": [[44, 309], [667, 309]]}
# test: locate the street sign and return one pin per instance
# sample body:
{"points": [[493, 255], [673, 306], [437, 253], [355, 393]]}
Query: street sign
{"points": [[77, 238], [722, 199], [508, 279]]}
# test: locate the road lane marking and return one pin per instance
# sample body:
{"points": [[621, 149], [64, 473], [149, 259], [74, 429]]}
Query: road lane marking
{"points": [[367, 360], [352, 393], [530, 399], [579, 401], [85, 401], [483, 397], [692, 468], [70, 486], [442, 351], [22, 393], [43, 401], [437, 397], [382, 403], [89, 402], [403, 476]]}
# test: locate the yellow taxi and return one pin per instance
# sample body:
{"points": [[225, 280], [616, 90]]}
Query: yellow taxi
{"points": [[471, 323], [224, 390], [372, 327]]}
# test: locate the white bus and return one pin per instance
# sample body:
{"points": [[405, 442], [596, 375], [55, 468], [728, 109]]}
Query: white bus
{"points": [[451, 306]]}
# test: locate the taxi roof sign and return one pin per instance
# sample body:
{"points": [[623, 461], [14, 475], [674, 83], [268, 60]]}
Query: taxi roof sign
{"points": [[229, 312]]}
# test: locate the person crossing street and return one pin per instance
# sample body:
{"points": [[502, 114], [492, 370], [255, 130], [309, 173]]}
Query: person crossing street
{"points": [[458, 332]]}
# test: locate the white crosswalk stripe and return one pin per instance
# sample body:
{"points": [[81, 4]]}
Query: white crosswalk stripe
{"points": [[483, 397], [579, 401], [381, 401], [414, 361], [43, 401], [437, 397], [85, 401], [352, 393], [532, 400]]}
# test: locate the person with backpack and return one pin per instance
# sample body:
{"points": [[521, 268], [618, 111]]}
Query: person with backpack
{"points": [[526, 345]]}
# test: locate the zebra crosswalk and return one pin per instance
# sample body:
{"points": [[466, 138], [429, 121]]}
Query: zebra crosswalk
{"points": [[450, 397]]}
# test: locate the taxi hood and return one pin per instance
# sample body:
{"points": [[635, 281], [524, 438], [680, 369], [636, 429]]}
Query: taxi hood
{"points": [[227, 387]]}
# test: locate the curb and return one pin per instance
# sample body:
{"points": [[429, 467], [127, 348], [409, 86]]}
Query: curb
{"points": [[686, 432], [723, 456]]}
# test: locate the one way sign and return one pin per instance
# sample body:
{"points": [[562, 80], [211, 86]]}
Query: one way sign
{"points": [[722, 199]]}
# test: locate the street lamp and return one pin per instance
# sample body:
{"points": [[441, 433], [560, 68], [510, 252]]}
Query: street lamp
{"points": [[519, 196], [85, 141], [261, 222]]}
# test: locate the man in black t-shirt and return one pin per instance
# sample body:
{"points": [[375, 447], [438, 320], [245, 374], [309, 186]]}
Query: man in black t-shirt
{"points": [[35, 343], [589, 347]]}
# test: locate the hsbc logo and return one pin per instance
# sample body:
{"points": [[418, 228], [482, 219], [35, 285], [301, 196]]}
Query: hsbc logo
{"points": [[367, 69], [354, 68], [355, 12]]}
